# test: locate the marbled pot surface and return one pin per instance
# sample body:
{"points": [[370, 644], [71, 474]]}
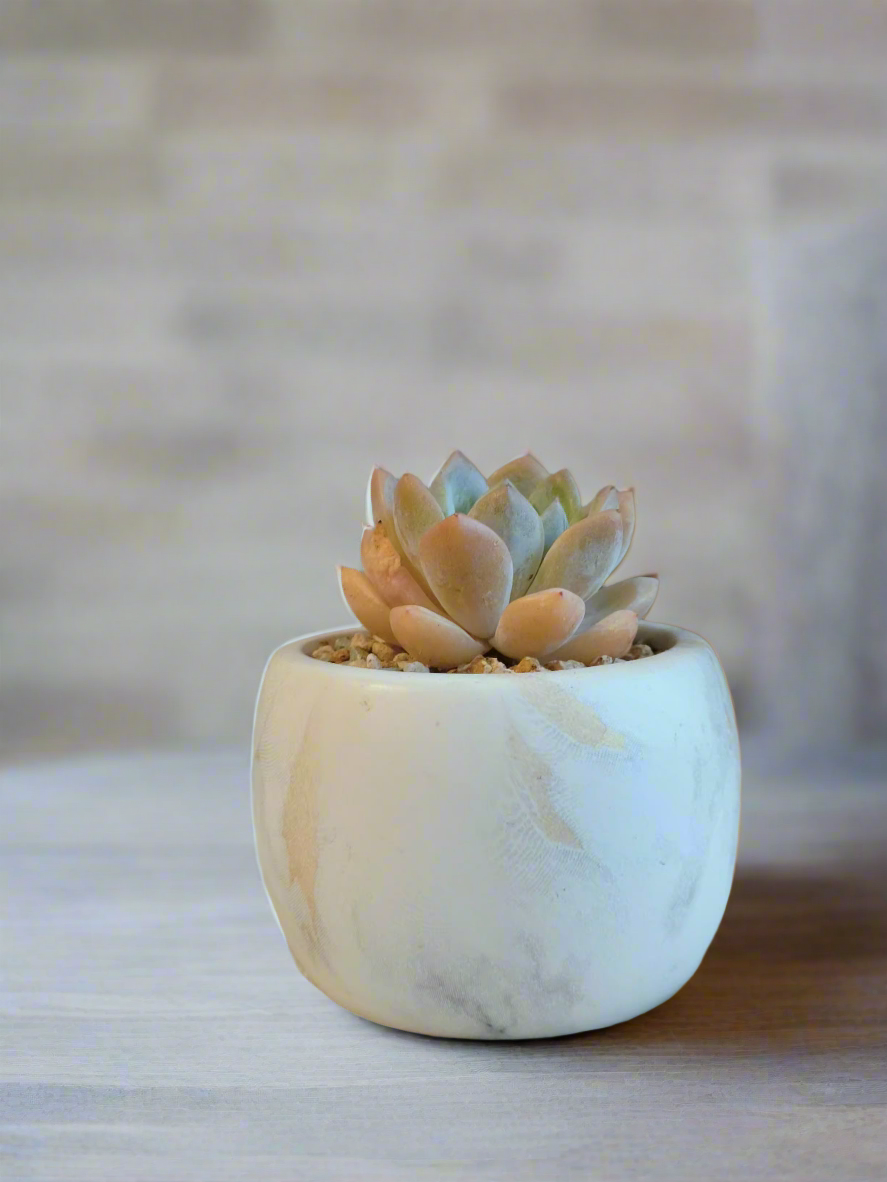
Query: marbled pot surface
{"points": [[498, 857]]}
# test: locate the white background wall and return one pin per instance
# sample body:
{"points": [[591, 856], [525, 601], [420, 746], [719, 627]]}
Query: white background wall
{"points": [[248, 248]]}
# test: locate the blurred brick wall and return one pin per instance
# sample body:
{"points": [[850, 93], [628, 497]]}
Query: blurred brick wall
{"points": [[248, 247]]}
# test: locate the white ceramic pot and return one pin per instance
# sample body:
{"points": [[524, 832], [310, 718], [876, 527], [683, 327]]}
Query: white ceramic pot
{"points": [[501, 856]]}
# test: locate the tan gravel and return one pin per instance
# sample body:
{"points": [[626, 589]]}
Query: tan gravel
{"points": [[372, 652]]}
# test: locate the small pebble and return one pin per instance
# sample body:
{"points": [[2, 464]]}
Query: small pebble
{"points": [[604, 660], [362, 641], [557, 666], [358, 662], [323, 652], [384, 651], [372, 661], [342, 642], [414, 667], [484, 664], [527, 665], [637, 651]]}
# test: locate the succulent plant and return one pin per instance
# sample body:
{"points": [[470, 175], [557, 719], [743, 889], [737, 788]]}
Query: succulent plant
{"points": [[513, 562]]}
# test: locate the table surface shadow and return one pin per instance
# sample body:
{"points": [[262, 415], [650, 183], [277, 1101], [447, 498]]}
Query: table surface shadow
{"points": [[155, 1027]]}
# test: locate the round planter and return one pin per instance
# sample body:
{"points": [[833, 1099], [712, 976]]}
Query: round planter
{"points": [[500, 856]]}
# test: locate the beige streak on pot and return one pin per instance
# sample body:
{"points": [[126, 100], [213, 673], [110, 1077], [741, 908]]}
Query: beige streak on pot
{"points": [[532, 776], [572, 717], [299, 823]]}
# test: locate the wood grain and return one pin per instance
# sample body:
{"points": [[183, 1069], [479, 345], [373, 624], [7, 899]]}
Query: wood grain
{"points": [[155, 1027]]}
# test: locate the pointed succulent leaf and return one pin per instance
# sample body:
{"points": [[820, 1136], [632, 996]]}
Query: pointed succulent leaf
{"points": [[434, 639], [458, 484], [606, 498], [583, 556], [525, 473], [362, 598], [612, 636], [415, 511], [563, 487], [382, 564], [470, 571], [380, 496], [627, 513], [554, 522], [538, 624], [637, 594], [513, 518]]}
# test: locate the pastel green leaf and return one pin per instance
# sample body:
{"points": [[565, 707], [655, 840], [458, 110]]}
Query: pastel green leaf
{"points": [[627, 512], [606, 498], [563, 487], [458, 484], [415, 512], [554, 522], [513, 518], [583, 556], [469, 569], [637, 594], [525, 473]]}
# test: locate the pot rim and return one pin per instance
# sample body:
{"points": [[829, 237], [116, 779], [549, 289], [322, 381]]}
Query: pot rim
{"points": [[679, 645]]}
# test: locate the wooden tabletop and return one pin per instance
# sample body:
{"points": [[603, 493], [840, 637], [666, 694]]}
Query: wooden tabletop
{"points": [[156, 1029]]}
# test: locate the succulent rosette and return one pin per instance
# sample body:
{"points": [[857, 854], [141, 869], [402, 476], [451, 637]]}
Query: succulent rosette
{"points": [[513, 562]]}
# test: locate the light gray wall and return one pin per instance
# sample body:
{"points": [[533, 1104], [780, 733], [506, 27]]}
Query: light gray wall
{"points": [[248, 248], [824, 377]]}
